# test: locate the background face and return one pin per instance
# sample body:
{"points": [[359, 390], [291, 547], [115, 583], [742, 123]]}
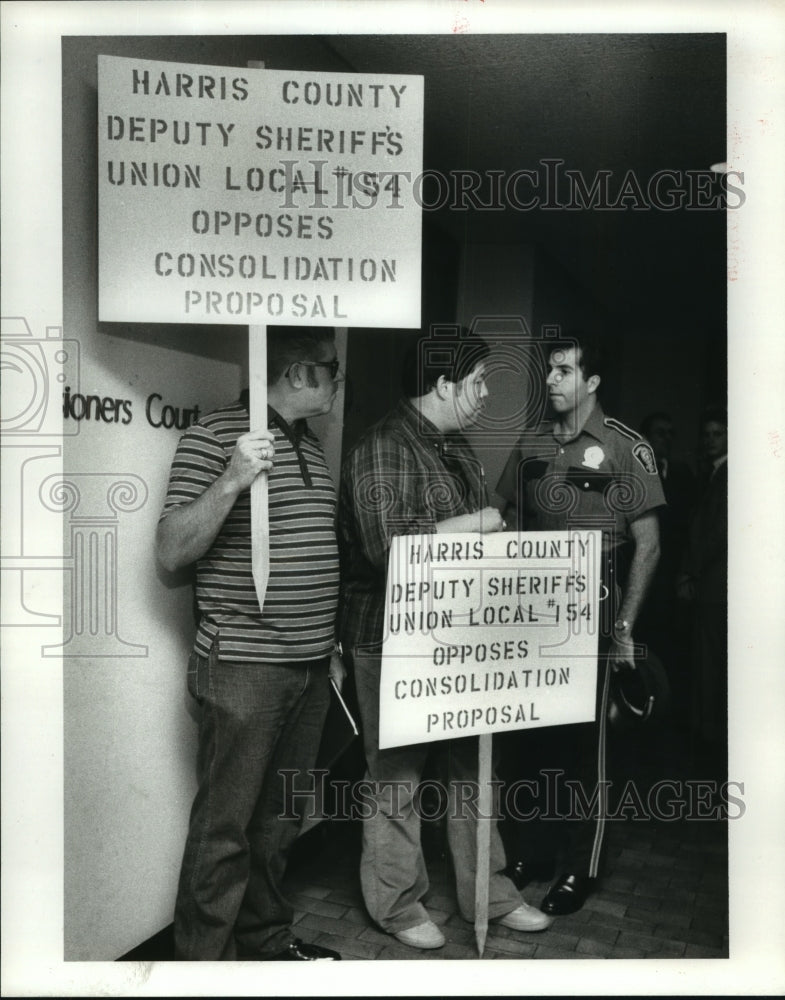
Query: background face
{"points": [[715, 439], [661, 437]]}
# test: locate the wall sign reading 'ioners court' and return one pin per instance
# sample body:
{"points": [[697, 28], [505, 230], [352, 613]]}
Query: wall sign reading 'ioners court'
{"points": [[248, 196], [487, 633]]}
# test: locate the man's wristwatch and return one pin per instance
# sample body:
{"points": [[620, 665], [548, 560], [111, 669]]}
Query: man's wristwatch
{"points": [[621, 625]]}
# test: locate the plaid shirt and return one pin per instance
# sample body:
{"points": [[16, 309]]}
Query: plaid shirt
{"points": [[402, 478]]}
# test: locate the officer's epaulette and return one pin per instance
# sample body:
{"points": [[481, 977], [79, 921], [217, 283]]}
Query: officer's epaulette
{"points": [[641, 450], [617, 425]]}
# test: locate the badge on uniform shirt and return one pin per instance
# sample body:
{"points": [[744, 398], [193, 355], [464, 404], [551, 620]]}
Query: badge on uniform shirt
{"points": [[593, 457], [645, 456]]}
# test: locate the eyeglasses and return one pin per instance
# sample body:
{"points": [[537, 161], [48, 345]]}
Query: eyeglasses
{"points": [[331, 366]]}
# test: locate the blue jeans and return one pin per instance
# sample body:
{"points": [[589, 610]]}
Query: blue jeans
{"points": [[392, 869], [255, 719]]}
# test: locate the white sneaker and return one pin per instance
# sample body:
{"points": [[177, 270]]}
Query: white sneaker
{"points": [[526, 918], [425, 935]]}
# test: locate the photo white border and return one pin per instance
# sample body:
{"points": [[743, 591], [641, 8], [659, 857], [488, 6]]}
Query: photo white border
{"points": [[32, 760]]}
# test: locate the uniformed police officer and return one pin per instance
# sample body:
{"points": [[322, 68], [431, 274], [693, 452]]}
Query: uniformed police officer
{"points": [[582, 470]]}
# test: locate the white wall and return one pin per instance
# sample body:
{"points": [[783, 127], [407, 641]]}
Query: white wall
{"points": [[129, 744]]}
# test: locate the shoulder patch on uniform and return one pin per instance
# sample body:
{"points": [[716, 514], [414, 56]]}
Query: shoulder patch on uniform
{"points": [[645, 456], [617, 425]]}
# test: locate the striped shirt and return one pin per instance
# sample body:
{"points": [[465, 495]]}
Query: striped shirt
{"points": [[298, 618], [401, 478]]}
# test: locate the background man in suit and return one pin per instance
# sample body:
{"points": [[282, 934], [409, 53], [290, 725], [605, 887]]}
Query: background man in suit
{"points": [[663, 623], [704, 584]]}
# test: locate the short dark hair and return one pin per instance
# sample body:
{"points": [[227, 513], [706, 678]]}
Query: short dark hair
{"points": [[651, 418], [288, 344], [453, 352], [591, 348], [715, 415]]}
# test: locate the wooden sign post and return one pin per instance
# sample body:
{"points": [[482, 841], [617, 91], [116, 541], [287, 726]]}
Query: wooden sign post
{"points": [[260, 522], [257, 414], [482, 875]]}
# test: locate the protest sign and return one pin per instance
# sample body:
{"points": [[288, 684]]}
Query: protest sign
{"points": [[254, 196], [489, 633], [257, 196]]}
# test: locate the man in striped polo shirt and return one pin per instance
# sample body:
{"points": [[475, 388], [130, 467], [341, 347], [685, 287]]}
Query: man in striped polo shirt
{"points": [[260, 677]]}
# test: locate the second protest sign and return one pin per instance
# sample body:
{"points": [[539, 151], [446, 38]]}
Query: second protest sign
{"points": [[489, 633]]}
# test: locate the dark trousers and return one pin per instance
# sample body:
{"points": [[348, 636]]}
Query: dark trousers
{"points": [[256, 719], [556, 788], [710, 699]]}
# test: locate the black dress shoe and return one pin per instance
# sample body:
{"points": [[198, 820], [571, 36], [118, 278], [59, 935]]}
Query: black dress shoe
{"points": [[568, 894], [299, 951], [523, 872]]}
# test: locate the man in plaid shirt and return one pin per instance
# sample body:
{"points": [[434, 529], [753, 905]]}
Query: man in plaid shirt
{"points": [[414, 472]]}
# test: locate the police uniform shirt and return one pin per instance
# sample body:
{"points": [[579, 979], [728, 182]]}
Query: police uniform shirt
{"points": [[604, 477]]}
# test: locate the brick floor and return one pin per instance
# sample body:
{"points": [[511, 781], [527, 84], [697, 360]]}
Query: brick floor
{"points": [[664, 895]]}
